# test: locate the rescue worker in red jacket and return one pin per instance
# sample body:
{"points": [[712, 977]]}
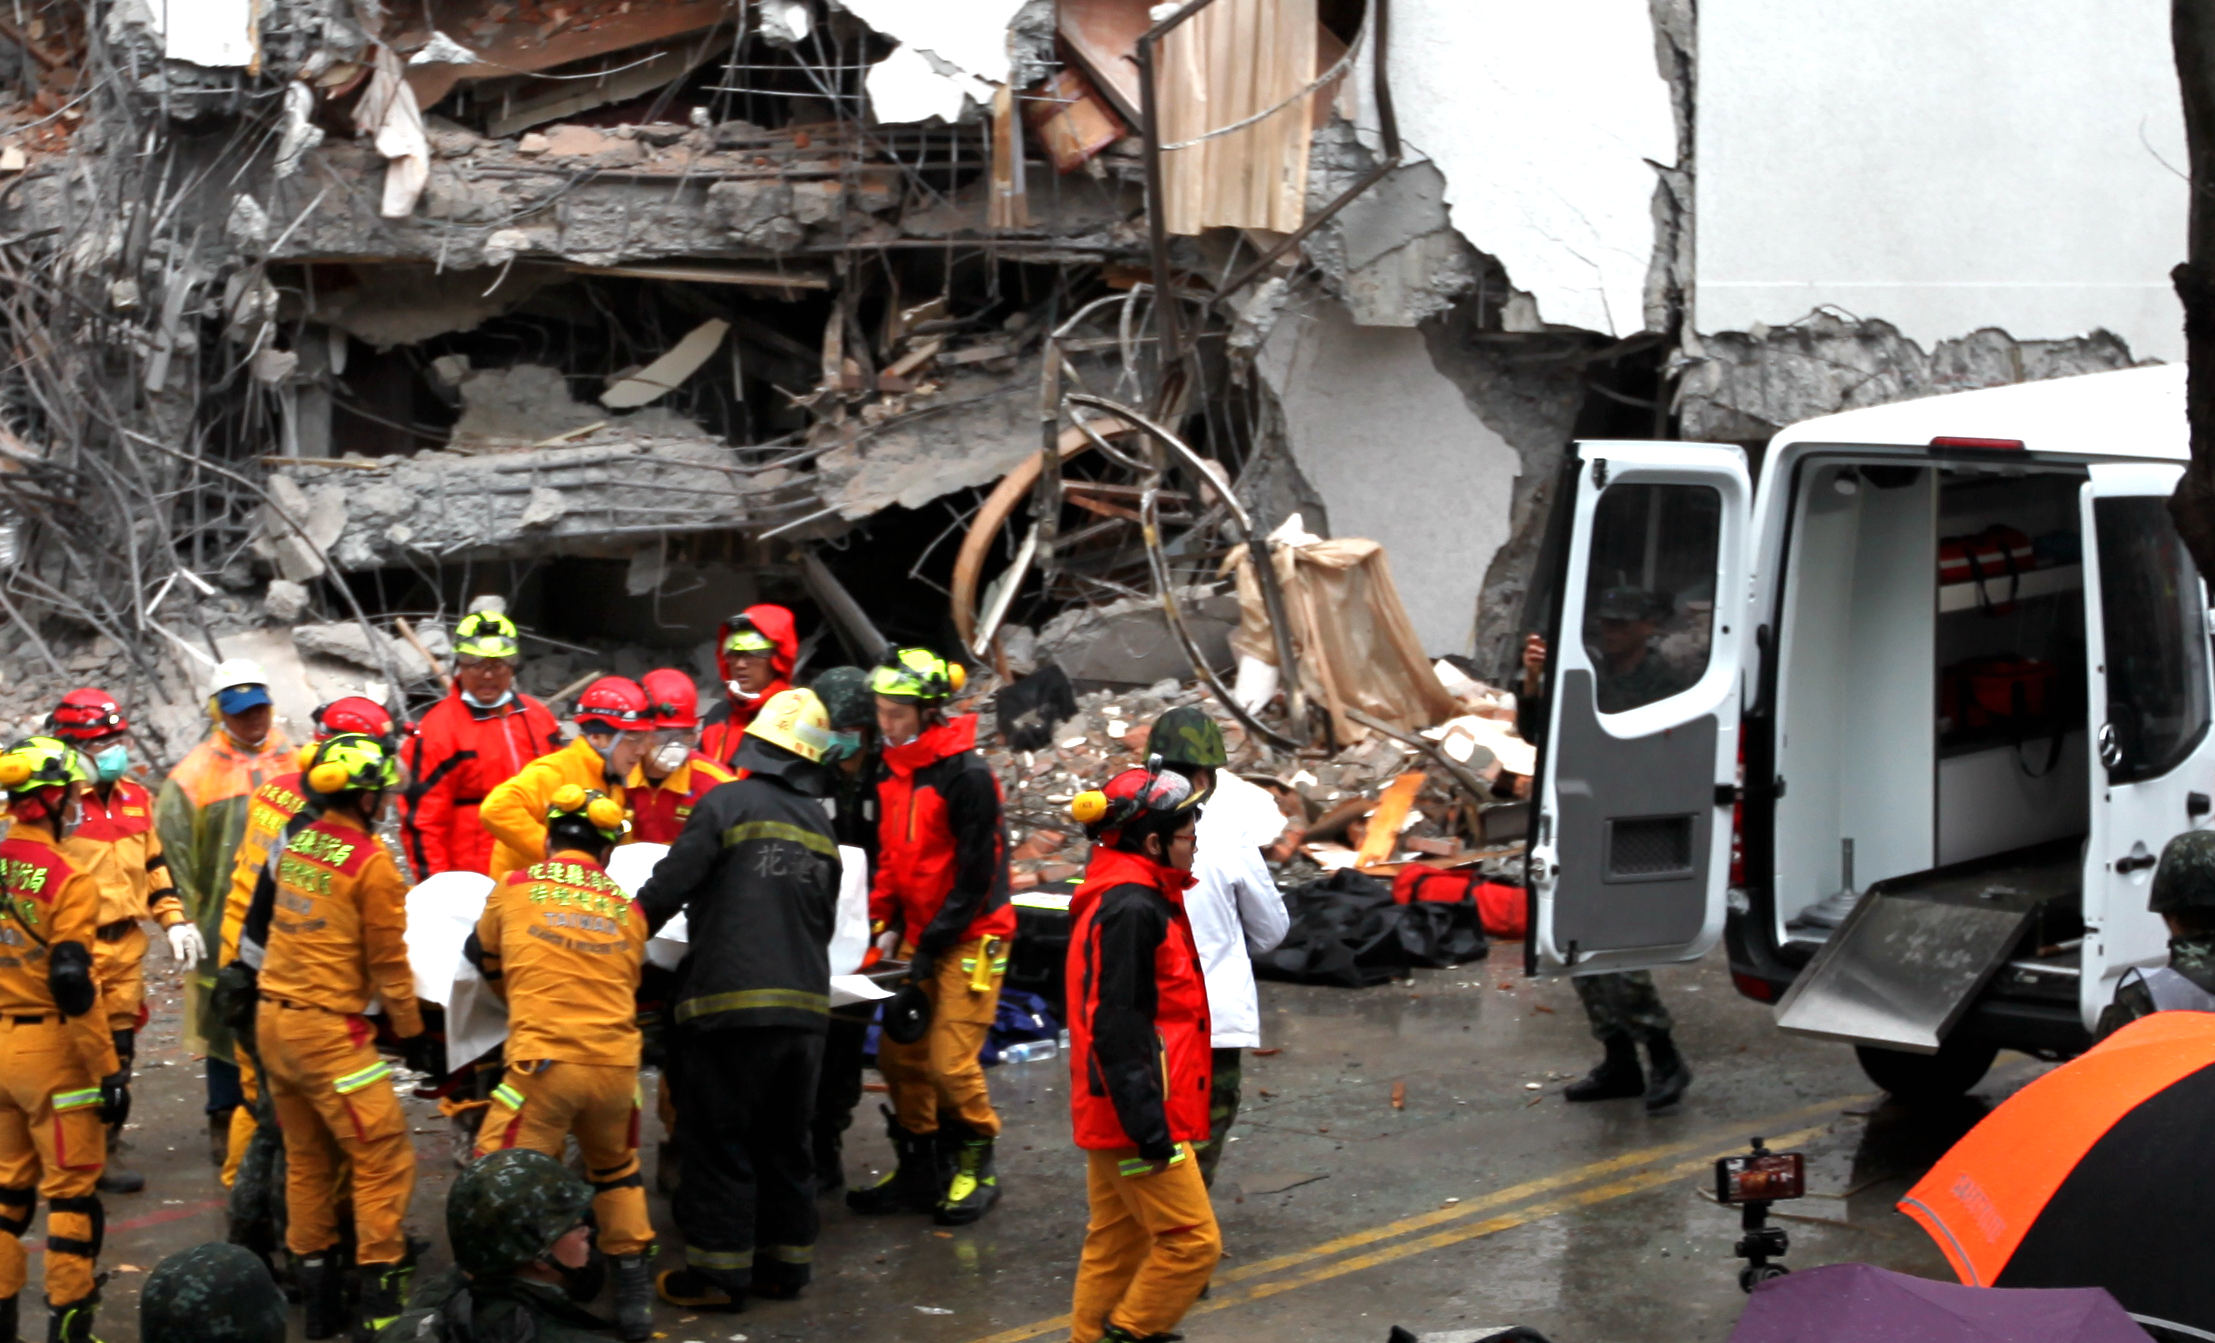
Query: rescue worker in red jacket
{"points": [[470, 743], [674, 775], [755, 651], [942, 882], [115, 843], [59, 1075], [1139, 1062], [325, 935], [562, 945]]}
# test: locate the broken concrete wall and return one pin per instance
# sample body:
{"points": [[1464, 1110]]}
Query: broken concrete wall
{"points": [[1421, 440], [1744, 386], [1546, 123], [1942, 168]]}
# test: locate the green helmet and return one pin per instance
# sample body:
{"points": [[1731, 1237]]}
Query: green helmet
{"points": [[507, 1210], [2186, 877], [211, 1294], [845, 695], [1187, 736]]}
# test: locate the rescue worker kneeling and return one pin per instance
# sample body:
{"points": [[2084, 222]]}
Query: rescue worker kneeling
{"points": [[1139, 1062], [562, 944], [516, 1223], [756, 875], [60, 1080], [326, 934]]}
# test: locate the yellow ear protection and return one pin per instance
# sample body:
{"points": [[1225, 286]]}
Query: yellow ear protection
{"points": [[350, 762], [1089, 807], [604, 813]]}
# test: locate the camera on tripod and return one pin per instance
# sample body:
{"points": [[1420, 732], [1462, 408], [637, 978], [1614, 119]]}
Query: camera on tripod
{"points": [[1751, 1183]]}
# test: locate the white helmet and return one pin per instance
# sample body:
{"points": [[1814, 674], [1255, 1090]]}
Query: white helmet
{"points": [[236, 672]]}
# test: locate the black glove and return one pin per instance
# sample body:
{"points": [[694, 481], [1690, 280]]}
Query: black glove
{"points": [[237, 996], [919, 965], [420, 1052], [115, 1097]]}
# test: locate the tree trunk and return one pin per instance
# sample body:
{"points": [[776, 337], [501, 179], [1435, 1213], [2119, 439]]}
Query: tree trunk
{"points": [[2192, 29]]}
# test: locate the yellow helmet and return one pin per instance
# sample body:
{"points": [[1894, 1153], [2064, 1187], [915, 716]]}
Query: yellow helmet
{"points": [[351, 763], [918, 674], [601, 812], [795, 720], [38, 763], [486, 634]]}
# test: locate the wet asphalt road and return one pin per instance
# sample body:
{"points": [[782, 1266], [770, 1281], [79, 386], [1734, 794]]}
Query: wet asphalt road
{"points": [[1485, 1201]]}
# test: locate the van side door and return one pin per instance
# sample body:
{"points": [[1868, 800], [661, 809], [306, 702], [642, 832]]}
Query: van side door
{"points": [[1630, 840], [2147, 661]]}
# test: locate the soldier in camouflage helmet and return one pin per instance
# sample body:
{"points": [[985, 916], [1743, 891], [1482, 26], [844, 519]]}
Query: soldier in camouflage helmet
{"points": [[2183, 894], [211, 1294], [515, 1221]]}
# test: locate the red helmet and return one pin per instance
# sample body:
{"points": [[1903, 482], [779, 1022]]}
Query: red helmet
{"points": [[353, 713], [615, 703], [1131, 796], [674, 700], [87, 715]]}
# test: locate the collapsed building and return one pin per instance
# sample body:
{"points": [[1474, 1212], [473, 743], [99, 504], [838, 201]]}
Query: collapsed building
{"points": [[920, 318]]}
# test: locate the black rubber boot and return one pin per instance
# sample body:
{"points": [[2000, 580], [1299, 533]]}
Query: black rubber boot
{"points": [[322, 1293], [972, 1182], [1669, 1076], [219, 1139], [71, 1323], [11, 1319], [912, 1185], [668, 1167], [384, 1295], [114, 1179], [1617, 1078], [634, 1297]]}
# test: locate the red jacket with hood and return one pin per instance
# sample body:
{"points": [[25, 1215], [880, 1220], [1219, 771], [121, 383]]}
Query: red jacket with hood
{"points": [[458, 754], [1140, 1067], [727, 723], [942, 842]]}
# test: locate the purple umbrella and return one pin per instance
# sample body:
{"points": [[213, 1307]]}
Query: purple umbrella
{"points": [[1852, 1303]]}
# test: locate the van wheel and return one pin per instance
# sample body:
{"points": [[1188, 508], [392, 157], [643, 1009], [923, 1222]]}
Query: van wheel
{"points": [[1928, 1079]]}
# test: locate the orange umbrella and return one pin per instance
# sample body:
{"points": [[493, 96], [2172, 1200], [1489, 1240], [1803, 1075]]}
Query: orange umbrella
{"points": [[2099, 1174]]}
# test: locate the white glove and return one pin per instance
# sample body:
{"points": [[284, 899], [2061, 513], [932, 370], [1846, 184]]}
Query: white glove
{"points": [[186, 944], [888, 943]]}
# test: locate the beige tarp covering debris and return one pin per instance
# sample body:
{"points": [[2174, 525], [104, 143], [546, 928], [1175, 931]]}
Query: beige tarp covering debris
{"points": [[1355, 644]]}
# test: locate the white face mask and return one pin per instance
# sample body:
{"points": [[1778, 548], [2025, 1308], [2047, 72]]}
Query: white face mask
{"points": [[473, 702], [739, 692], [670, 755]]}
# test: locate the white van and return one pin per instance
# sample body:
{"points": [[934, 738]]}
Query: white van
{"points": [[1958, 657]]}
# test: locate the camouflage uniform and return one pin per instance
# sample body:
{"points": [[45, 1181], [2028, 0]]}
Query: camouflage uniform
{"points": [[504, 1214], [211, 1294], [2184, 880], [1623, 1006]]}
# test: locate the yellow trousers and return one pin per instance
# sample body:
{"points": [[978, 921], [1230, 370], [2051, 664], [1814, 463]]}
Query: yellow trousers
{"points": [[940, 1072], [334, 1100], [242, 1118], [52, 1143], [120, 968], [1150, 1245], [542, 1102]]}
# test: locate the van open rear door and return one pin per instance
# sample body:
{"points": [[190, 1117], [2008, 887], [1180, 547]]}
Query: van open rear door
{"points": [[2147, 663], [1630, 842]]}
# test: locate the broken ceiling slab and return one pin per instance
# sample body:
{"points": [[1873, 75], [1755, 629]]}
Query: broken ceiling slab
{"points": [[530, 405], [667, 373], [597, 496], [977, 429], [503, 40], [387, 306]]}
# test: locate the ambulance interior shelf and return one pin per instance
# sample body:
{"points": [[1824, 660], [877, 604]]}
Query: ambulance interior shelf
{"points": [[1919, 717]]}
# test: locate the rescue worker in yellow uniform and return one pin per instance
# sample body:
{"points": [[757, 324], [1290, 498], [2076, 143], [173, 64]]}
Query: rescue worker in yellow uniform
{"points": [[562, 944], [274, 806], [116, 844], [615, 725], [326, 934], [60, 1080]]}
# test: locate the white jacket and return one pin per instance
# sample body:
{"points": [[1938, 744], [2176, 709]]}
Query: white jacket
{"points": [[1235, 907]]}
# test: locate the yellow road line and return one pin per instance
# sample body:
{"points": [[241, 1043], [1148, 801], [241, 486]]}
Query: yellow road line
{"points": [[1764, 1125], [1583, 1198]]}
